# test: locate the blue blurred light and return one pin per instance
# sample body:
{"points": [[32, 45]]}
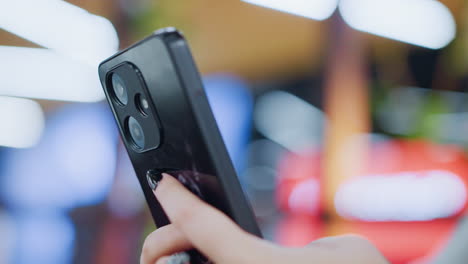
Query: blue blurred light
{"points": [[44, 238], [126, 198], [73, 165], [8, 237], [232, 106]]}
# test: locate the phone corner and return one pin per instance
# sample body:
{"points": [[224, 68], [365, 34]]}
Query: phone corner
{"points": [[169, 33]]}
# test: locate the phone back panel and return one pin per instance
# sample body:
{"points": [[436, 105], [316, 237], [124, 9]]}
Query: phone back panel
{"points": [[191, 144]]}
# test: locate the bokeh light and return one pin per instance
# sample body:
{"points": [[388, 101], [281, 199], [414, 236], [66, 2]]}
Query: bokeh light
{"points": [[72, 165]]}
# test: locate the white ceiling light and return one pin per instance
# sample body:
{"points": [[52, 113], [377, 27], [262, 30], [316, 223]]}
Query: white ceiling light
{"points": [[42, 73], [289, 120], [404, 196], [314, 9], [22, 122], [426, 23], [60, 26]]}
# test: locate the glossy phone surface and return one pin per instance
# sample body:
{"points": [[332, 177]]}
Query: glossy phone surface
{"points": [[166, 123]]}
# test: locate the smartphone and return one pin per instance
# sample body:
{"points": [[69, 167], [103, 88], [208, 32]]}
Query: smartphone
{"points": [[157, 97]]}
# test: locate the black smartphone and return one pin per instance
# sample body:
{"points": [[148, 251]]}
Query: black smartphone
{"points": [[166, 123]]}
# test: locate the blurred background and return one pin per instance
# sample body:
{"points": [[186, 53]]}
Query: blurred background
{"points": [[341, 117]]}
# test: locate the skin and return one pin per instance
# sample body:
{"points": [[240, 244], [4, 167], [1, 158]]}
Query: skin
{"points": [[196, 224]]}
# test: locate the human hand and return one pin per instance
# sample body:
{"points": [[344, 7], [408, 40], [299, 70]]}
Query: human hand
{"points": [[196, 224]]}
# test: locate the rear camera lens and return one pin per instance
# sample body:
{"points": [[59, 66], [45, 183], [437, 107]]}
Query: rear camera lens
{"points": [[120, 91], [136, 132], [142, 104]]}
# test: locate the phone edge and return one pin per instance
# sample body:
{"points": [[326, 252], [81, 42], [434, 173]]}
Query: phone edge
{"points": [[196, 95]]}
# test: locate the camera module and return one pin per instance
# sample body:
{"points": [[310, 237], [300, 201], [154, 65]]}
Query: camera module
{"points": [[131, 103], [137, 134], [119, 89], [142, 104]]}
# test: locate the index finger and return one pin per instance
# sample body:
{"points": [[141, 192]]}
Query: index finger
{"points": [[208, 229]]}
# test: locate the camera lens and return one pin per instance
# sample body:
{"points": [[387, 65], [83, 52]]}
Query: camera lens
{"points": [[120, 91], [142, 104], [136, 132]]}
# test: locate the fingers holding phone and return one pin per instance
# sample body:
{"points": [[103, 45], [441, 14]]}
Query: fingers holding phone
{"points": [[208, 229], [196, 224]]}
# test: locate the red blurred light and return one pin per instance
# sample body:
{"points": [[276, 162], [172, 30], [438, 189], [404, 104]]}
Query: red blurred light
{"points": [[400, 242]]}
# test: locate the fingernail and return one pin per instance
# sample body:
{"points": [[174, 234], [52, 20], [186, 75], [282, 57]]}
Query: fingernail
{"points": [[179, 258], [153, 177]]}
